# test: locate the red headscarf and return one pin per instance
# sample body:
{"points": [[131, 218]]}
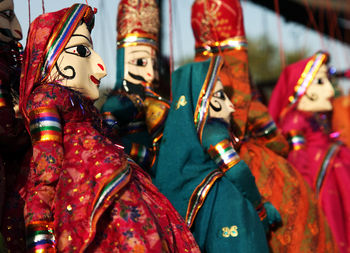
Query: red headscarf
{"points": [[293, 83], [48, 35]]}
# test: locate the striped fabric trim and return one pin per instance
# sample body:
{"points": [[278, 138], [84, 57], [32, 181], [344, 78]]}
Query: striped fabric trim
{"points": [[325, 165], [45, 125], [110, 189], [40, 237], [109, 119], [307, 76], [199, 195], [260, 209], [4, 96], [3, 102], [201, 112], [266, 129], [134, 39], [296, 140], [140, 154], [62, 35], [237, 43], [224, 155]]}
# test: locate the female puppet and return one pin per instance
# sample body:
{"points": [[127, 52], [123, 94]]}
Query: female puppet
{"points": [[82, 192], [300, 104], [199, 171], [219, 30], [133, 108], [14, 139]]}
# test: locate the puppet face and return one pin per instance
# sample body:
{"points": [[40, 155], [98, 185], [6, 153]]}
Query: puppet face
{"points": [[220, 105], [318, 95], [79, 66], [140, 66], [10, 28]]}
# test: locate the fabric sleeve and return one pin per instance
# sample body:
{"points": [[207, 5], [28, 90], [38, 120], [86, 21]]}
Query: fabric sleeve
{"points": [[294, 127], [221, 150], [263, 129], [46, 135]]}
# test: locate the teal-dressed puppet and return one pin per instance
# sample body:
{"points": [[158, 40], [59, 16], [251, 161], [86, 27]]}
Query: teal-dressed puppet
{"points": [[200, 172], [133, 108]]}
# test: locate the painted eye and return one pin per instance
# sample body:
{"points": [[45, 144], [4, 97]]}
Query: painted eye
{"points": [[319, 81], [79, 50], [140, 62], [219, 94], [8, 14]]}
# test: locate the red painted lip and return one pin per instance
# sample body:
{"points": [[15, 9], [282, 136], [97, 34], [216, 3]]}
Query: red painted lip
{"points": [[94, 80]]}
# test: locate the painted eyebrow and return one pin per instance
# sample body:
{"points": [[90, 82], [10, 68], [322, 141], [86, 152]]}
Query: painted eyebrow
{"points": [[136, 51], [88, 39]]}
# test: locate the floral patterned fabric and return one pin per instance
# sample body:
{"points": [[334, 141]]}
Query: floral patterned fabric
{"points": [[68, 180]]}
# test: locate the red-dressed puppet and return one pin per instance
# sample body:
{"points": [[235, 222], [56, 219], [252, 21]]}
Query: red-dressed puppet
{"points": [[83, 194]]}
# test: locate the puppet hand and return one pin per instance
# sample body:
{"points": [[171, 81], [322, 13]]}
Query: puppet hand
{"points": [[273, 218]]}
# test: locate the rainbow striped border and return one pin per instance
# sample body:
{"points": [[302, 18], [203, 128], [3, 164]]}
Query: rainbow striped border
{"points": [[237, 43], [201, 112], [62, 35]]}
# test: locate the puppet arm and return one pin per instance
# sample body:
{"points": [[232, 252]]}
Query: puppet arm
{"points": [[263, 129], [237, 171], [45, 168]]}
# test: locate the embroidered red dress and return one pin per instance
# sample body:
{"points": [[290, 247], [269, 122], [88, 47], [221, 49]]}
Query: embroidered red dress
{"points": [[77, 182], [83, 194]]}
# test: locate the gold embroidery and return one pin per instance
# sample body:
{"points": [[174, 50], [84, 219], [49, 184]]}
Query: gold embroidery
{"points": [[182, 102], [138, 15], [230, 231]]}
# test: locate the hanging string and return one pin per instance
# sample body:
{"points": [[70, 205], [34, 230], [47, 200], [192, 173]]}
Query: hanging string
{"points": [[86, 2], [281, 49], [347, 37], [171, 55], [29, 11], [313, 22], [333, 33], [43, 6]]}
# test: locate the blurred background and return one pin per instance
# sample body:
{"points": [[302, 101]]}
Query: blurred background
{"points": [[278, 33]]}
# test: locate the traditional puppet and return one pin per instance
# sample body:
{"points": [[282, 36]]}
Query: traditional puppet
{"points": [[300, 104], [13, 138], [219, 30], [83, 194], [133, 108], [198, 169]]}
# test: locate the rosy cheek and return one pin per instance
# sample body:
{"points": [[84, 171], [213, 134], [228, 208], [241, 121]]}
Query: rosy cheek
{"points": [[149, 74], [101, 66]]}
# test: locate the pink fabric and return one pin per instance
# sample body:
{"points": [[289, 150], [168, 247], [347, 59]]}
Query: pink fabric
{"points": [[314, 128]]}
